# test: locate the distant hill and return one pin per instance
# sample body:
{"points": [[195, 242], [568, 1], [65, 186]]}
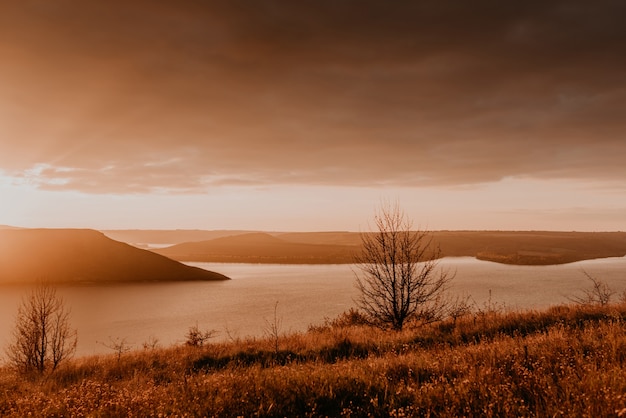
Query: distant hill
{"points": [[532, 247], [332, 237], [509, 247], [83, 255], [259, 248], [139, 237]]}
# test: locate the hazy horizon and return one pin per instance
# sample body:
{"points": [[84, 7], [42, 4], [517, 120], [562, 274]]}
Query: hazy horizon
{"points": [[288, 116], [284, 231]]}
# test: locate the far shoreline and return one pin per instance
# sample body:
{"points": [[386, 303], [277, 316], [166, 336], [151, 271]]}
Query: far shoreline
{"points": [[290, 263]]}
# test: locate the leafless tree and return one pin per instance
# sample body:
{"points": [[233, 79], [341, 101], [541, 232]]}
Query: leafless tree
{"points": [[152, 343], [42, 337], [599, 294], [458, 307], [399, 278], [119, 345]]}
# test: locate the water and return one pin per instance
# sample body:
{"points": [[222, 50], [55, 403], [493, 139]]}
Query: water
{"points": [[306, 294]]}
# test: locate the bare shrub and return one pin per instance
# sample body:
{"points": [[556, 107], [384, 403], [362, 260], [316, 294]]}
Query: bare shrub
{"points": [[349, 318], [459, 306], [273, 328], [152, 343], [197, 337], [599, 294], [118, 345], [399, 279], [42, 337], [490, 307]]}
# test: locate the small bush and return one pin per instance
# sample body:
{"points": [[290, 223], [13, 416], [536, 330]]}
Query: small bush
{"points": [[196, 337]]}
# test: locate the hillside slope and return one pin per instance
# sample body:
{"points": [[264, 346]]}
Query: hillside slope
{"points": [[164, 236], [82, 255], [258, 248], [494, 364]]}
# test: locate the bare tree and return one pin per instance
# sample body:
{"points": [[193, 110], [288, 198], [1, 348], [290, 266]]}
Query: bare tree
{"points": [[459, 307], [399, 279], [42, 337], [152, 343], [119, 345], [599, 294]]}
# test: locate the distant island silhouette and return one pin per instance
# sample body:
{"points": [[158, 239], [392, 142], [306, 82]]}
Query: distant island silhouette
{"points": [[84, 256], [508, 247]]}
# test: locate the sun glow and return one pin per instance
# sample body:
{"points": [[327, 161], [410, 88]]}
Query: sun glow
{"points": [[15, 198], [519, 204]]}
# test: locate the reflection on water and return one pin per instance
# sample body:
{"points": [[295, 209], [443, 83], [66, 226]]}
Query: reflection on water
{"points": [[305, 294]]}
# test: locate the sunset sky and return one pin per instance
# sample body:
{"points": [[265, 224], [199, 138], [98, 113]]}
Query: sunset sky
{"points": [[293, 115]]}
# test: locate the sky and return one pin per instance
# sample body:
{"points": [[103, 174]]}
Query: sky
{"points": [[304, 116]]}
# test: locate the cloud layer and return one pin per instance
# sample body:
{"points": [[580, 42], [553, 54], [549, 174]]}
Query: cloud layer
{"points": [[132, 97]]}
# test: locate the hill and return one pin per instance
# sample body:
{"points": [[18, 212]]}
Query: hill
{"points": [[140, 237], [83, 255], [259, 248], [331, 237], [532, 247], [509, 247]]}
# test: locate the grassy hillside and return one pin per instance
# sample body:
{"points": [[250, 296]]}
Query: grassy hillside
{"points": [[534, 247], [565, 361], [75, 255]]}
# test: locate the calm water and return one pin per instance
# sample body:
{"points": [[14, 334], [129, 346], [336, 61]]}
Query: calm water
{"points": [[305, 295]]}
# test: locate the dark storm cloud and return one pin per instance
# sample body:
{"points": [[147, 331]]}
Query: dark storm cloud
{"points": [[137, 96]]}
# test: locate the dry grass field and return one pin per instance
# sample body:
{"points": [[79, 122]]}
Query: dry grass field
{"points": [[565, 361]]}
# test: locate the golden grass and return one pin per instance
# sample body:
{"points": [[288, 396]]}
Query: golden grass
{"points": [[565, 361]]}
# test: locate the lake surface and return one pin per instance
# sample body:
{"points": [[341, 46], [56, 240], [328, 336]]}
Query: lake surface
{"points": [[306, 294]]}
